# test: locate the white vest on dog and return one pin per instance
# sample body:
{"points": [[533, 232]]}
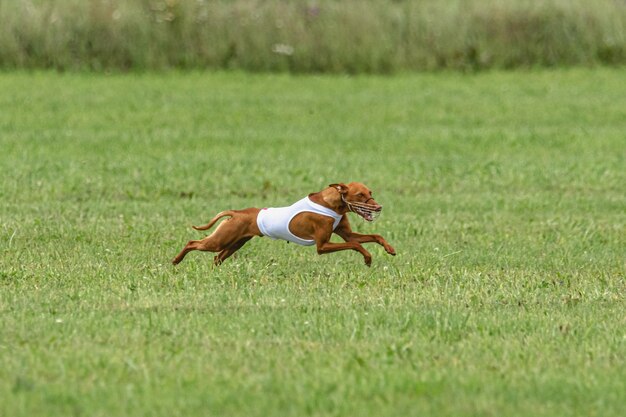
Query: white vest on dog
{"points": [[274, 222]]}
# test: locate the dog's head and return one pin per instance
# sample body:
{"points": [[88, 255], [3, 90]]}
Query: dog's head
{"points": [[358, 198]]}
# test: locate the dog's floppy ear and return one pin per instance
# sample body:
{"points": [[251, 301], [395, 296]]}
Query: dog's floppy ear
{"points": [[341, 187]]}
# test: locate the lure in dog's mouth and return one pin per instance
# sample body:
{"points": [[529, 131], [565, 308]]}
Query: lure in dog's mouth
{"points": [[369, 212]]}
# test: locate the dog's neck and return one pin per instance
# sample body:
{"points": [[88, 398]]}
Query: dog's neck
{"points": [[330, 197]]}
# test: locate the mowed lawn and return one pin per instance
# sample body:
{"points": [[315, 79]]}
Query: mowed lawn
{"points": [[504, 195]]}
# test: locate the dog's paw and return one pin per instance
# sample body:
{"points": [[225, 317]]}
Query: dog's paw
{"points": [[391, 251], [368, 260]]}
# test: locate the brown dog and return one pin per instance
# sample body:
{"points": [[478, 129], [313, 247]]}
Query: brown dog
{"points": [[310, 221]]}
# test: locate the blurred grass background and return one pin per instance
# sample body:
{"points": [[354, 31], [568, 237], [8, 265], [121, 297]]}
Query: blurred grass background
{"points": [[349, 36]]}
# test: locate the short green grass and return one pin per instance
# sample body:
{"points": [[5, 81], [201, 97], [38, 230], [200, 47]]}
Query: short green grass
{"points": [[504, 196]]}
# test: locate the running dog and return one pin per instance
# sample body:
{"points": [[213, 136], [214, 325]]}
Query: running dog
{"points": [[310, 221]]}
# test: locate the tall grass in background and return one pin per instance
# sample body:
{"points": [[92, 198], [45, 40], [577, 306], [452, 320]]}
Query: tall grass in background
{"points": [[310, 36]]}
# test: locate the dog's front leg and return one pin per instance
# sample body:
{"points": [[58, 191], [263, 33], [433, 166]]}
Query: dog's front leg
{"points": [[329, 247], [357, 237], [345, 232]]}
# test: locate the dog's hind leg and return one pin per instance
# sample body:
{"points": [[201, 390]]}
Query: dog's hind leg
{"points": [[241, 225], [227, 234], [194, 245], [226, 253]]}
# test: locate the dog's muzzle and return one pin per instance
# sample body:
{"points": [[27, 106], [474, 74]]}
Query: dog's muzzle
{"points": [[369, 212]]}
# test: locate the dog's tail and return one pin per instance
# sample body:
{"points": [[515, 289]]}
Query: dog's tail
{"points": [[214, 220]]}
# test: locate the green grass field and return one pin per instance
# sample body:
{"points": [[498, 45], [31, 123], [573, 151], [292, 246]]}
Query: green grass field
{"points": [[504, 196]]}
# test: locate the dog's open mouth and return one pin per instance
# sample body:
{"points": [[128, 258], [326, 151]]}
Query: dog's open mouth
{"points": [[369, 216]]}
